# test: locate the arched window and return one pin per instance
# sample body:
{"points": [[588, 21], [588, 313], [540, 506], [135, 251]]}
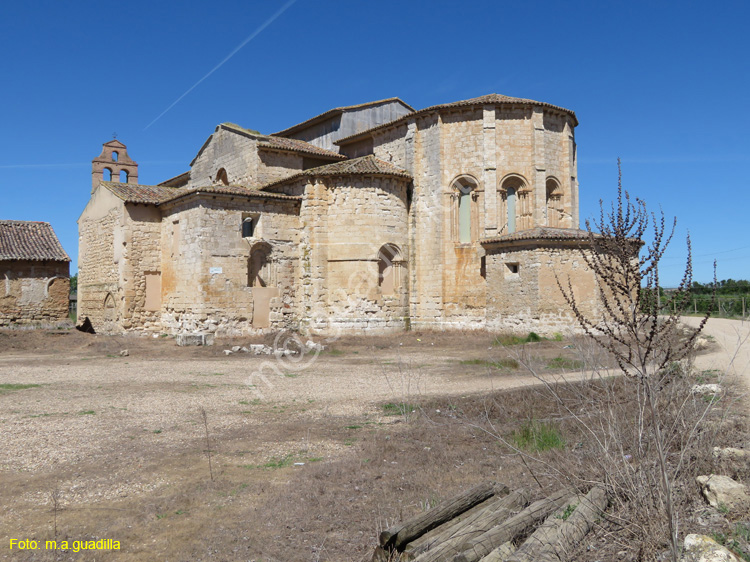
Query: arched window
{"points": [[123, 176], [221, 177], [248, 227], [259, 267], [109, 307], [115, 156], [464, 196], [511, 202], [554, 208], [107, 174], [48, 285], [389, 269], [515, 204]]}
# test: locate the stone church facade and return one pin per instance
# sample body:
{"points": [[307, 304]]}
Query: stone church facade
{"points": [[368, 219]]}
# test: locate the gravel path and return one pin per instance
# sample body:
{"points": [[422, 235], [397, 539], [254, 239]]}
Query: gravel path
{"points": [[733, 357]]}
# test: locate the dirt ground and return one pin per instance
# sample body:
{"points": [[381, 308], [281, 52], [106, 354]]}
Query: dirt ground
{"points": [[731, 353], [310, 458], [121, 441]]}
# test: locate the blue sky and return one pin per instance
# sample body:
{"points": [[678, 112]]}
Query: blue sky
{"points": [[662, 85]]}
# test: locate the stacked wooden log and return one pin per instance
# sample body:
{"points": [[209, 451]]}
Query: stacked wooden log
{"points": [[490, 523]]}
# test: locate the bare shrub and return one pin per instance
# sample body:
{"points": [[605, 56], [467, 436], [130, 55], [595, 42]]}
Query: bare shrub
{"points": [[645, 450]]}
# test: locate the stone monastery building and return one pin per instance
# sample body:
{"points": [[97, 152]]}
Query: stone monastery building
{"points": [[369, 218]]}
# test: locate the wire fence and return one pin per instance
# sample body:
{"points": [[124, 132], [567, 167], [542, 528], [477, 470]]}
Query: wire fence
{"points": [[721, 306]]}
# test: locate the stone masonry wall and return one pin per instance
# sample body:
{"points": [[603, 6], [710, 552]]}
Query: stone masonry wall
{"points": [[141, 258], [234, 152], [486, 146], [462, 149], [243, 161], [365, 214], [34, 292], [277, 165], [205, 283], [529, 299], [389, 145], [100, 249]]}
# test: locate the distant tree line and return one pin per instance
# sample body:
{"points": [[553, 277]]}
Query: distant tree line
{"points": [[727, 287]]}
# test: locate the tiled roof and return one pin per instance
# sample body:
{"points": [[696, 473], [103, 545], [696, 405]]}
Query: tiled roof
{"points": [[264, 141], [275, 143], [540, 233], [335, 111], [366, 165], [156, 194], [26, 240], [136, 193], [231, 190], [294, 145], [482, 100]]}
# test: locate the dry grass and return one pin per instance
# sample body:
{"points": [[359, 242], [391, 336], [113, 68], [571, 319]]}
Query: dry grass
{"points": [[297, 481]]}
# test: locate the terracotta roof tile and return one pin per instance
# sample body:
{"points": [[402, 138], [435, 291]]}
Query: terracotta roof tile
{"points": [[157, 194], [482, 100], [294, 145], [366, 165], [26, 240], [275, 143], [136, 193], [232, 190], [540, 233]]}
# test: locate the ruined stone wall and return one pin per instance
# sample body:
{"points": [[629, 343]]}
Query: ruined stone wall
{"points": [[236, 153], [522, 291], [206, 281], [100, 250], [34, 292]]}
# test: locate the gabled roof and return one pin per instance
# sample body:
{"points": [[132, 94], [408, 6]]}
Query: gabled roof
{"points": [[27, 240], [294, 145], [115, 143], [337, 111], [365, 166], [482, 100], [541, 233], [176, 181], [157, 194], [273, 143]]}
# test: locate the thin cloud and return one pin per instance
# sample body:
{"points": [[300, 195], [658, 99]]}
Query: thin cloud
{"points": [[252, 36]]}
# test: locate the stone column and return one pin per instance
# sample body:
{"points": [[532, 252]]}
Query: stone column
{"points": [[572, 173], [490, 171], [540, 168]]}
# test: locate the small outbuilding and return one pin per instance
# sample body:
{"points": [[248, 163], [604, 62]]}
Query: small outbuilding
{"points": [[35, 275]]}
